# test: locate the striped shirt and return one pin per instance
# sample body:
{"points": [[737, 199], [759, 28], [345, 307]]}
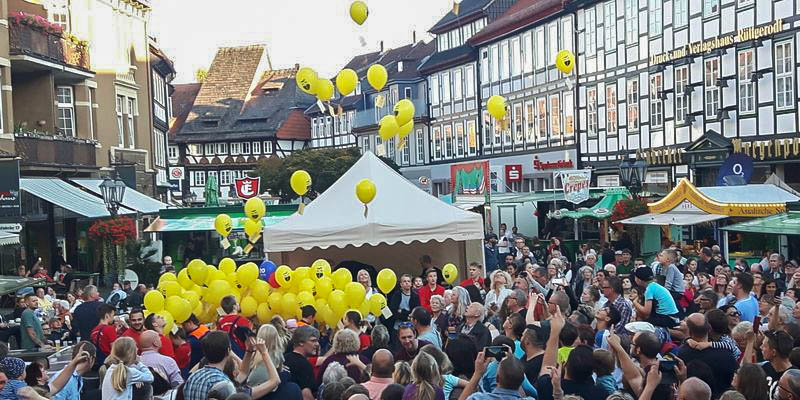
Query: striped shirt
{"points": [[201, 381]]}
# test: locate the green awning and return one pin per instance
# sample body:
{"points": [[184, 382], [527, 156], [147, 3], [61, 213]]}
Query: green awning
{"points": [[601, 210], [548, 195], [205, 222], [787, 223]]}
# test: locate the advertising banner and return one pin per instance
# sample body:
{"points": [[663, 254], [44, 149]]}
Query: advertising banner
{"points": [[576, 185]]}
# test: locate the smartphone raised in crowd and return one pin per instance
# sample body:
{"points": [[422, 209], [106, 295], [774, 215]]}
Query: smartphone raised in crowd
{"points": [[756, 323], [498, 352]]}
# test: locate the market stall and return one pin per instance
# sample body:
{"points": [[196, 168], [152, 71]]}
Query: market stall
{"points": [[782, 230], [401, 224]]}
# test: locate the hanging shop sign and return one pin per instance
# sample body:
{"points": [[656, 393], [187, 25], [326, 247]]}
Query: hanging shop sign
{"points": [[470, 178], [513, 173], [768, 149], [709, 45], [737, 164], [247, 187], [576, 185], [9, 188], [667, 156]]}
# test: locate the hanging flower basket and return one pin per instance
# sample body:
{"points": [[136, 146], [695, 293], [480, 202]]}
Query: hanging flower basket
{"points": [[629, 208], [117, 231]]}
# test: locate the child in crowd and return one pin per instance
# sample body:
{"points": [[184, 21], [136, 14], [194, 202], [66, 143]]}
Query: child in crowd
{"points": [[125, 370]]}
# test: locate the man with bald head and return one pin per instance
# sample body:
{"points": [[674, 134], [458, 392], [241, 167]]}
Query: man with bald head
{"points": [[694, 389], [166, 367], [721, 361], [382, 370], [789, 385]]}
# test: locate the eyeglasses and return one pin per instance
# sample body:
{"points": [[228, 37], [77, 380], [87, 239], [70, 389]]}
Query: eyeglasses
{"points": [[734, 314]]}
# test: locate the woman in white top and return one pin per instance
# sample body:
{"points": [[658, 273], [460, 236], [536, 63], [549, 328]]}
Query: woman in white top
{"points": [[364, 279], [501, 281], [125, 370]]}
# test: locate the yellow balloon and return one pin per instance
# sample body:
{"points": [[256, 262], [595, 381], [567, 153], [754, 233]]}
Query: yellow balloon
{"points": [[319, 304], [359, 11], [169, 321], [232, 279], [324, 287], [565, 61], [341, 277], [320, 269], [306, 285], [223, 224], [215, 275], [405, 129], [251, 228], [354, 294], [364, 308], [387, 280], [306, 79], [365, 190], [216, 291], [169, 288], [377, 76], [324, 89], [283, 275], [274, 302], [377, 303], [346, 81], [255, 209], [450, 273], [192, 297], [198, 310], [184, 280], [288, 304], [249, 306], [497, 106], [337, 303], [404, 111], [247, 273], [388, 127], [300, 182], [301, 273], [169, 276], [260, 291], [154, 301], [178, 307], [197, 271], [264, 313], [305, 299], [227, 265]]}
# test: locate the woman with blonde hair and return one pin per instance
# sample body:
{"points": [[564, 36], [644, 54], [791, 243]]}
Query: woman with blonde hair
{"points": [[124, 371], [259, 372], [501, 281], [364, 279], [426, 380], [402, 373], [345, 351], [284, 335]]}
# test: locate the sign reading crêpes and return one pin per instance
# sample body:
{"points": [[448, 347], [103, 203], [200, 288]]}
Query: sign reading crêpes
{"points": [[707, 46]]}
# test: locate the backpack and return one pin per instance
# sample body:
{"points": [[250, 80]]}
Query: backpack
{"points": [[160, 384], [94, 337]]}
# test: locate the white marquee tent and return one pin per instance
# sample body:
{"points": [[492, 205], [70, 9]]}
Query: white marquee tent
{"points": [[402, 224]]}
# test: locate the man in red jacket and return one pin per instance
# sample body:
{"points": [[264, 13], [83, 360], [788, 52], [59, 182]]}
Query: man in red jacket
{"points": [[135, 325], [231, 321], [430, 289], [475, 278], [104, 334]]}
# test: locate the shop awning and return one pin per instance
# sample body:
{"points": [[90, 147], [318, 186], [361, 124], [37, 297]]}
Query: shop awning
{"points": [[548, 195], [672, 218], [601, 210], [132, 199], [205, 222], [7, 238], [66, 196], [787, 223]]}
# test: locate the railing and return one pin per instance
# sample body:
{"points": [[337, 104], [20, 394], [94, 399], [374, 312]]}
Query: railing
{"points": [[371, 117], [42, 148], [27, 40]]}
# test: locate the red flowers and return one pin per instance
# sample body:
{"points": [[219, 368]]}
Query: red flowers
{"points": [[628, 208], [118, 230], [36, 21]]}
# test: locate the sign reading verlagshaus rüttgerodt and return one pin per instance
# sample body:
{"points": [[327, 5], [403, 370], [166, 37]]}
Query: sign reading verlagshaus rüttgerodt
{"points": [[709, 45]]}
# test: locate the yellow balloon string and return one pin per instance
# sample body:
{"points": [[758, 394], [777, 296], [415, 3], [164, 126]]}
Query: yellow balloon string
{"points": [[365, 210], [302, 206]]}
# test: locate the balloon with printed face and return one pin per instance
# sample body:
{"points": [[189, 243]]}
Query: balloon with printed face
{"points": [[565, 61], [223, 224], [283, 275], [306, 79], [377, 303], [346, 81], [404, 111], [450, 273], [300, 182], [377, 76], [387, 280], [359, 11], [337, 303], [255, 209], [169, 288], [320, 269]]}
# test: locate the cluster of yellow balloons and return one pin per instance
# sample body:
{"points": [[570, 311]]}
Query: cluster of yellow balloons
{"points": [[309, 82], [401, 123]]}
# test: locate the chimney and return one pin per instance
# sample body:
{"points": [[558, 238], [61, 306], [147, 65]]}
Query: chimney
{"points": [[414, 37], [381, 46]]}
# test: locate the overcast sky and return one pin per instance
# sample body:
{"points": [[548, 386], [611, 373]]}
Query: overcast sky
{"points": [[315, 33]]}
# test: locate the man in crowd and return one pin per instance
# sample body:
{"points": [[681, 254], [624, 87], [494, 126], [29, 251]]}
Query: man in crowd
{"points": [[721, 361], [746, 303], [707, 262], [85, 315], [162, 365], [510, 375], [136, 299], [475, 278], [105, 333], [517, 301], [31, 333], [590, 260], [610, 270], [426, 265], [625, 267], [409, 344], [308, 315], [509, 265], [473, 325], [382, 370], [195, 332], [775, 348], [533, 341], [421, 319], [789, 385], [64, 279], [612, 290], [401, 302], [490, 252], [304, 343], [232, 320], [659, 307], [430, 289], [135, 325]]}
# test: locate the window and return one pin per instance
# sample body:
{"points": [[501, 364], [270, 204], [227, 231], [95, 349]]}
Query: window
{"points": [[445, 87], [681, 100], [633, 104], [213, 174], [437, 143], [516, 54], [611, 108], [502, 130], [66, 111], [488, 124], [198, 178], [131, 130], [435, 89], [365, 144], [195, 149], [120, 123], [222, 148], [747, 87], [710, 7], [420, 146], [472, 137], [631, 22], [380, 149], [390, 147], [444, 42], [743, 3], [225, 178], [405, 153], [711, 76], [527, 52], [460, 148], [209, 147], [539, 43], [90, 120], [236, 148], [610, 24], [494, 52], [541, 118], [681, 8], [60, 18], [656, 18], [555, 116], [590, 32], [407, 93], [458, 84], [455, 38], [159, 148], [400, 66], [784, 75], [485, 66], [469, 72], [267, 147], [530, 121], [245, 147], [656, 105], [553, 42], [591, 111], [519, 134], [448, 140], [256, 147], [172, 152], [569, 114], [159, 97], [504, 60], [566, 34], [467, 31]]}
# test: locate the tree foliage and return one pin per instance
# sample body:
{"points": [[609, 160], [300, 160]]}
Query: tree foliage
{"points": [[324, 165]]}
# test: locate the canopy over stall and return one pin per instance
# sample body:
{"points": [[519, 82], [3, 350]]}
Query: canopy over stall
{"points": [[334, 226], [601, 210], [787, 223], [7, 238]]}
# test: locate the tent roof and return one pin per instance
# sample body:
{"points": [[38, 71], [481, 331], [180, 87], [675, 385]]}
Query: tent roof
{"points": [[400, 212], [787, 223]]}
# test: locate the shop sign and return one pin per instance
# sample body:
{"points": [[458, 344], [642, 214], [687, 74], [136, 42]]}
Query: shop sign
{"points": [[424, 180], [176, 173], [608, 180], [657, 177], [247, 187], [13, 228], [738, 164], [560, 164], [513, 173], [709, 45], [9, 188], [576, 185], [470, 178], [768, 149], [661, 157]]}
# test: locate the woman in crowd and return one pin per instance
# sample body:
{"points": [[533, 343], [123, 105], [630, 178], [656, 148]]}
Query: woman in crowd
{"points": [[438, 315], [626, 286], [258, 371], [689, 292], [703, 281], [380, 340], [449, 382], [583, 280], [364, 279], [36, 376], [427, 382], [721, 285], [751, 381], [771, 287], [501, 281], [402, 373], [124, 370], [345, 345]]}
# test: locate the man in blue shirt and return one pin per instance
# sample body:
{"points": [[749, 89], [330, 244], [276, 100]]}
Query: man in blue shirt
{"points": [[491, 260], [67, 384], [745, 302], [510, 375], [659, 307]]}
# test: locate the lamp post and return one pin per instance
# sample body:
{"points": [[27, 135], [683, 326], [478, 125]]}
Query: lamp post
{"points": [[632, 173], [113, 191]]}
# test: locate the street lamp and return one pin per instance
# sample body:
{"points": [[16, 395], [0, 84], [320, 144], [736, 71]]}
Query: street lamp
{"points": [[113, 192], [632, 173]]}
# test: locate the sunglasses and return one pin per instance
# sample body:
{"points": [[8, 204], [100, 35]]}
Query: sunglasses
{"points": [[406, 325], [734, 314]]}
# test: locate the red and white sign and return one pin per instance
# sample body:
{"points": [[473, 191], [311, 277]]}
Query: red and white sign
{"points": [[545, 165], [513, 173], [176, 173], [248, 187]]}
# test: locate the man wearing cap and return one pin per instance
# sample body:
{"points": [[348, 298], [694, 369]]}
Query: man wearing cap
{"points": [[618, 257], [626, 266], [659, 307]]}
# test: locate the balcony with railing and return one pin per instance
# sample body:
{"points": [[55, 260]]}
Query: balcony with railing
{"points": [[372, 115], [52, 150], [35, 37]]}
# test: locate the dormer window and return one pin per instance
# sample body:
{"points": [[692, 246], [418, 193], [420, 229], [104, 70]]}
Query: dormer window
{"points": [[399, 66]]}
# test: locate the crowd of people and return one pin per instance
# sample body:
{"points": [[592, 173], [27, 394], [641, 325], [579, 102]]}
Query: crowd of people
{"points": [[536, 326]]}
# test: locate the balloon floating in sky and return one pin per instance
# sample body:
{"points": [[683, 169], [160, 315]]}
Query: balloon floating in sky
{"points": [[307, 79], [388, 127], [404, 111], [300, 182], [359, 12], [346, 81], [377, 76], [324, 89], [223, 224], [365, 191], [565, 61]]}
